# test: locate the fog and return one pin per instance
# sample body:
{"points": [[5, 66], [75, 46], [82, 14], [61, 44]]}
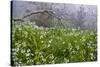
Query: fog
{"points": [[71, 15]]}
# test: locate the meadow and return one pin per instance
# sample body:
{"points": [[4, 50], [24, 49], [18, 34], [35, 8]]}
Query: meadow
{"points": [[33, 45]]}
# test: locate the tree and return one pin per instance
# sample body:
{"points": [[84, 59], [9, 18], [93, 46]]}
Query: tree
{"points": [[81, 17]]}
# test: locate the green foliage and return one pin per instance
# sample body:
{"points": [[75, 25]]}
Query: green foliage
{"points": [[33, 45]]}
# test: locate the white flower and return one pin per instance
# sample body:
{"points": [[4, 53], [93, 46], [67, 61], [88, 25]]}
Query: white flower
{"points": [[32, 54], [63, 42], [43, 33], [28, 50], [88, 45], [83, 37], [41, 41], [18, 45], [66, 60], [22, 51], [81, 31], [64, 50], [52, 56], [90, 41], [13, 49], [73, 52], [20, 28], [80, 39], [41, 36], [84, 40], [64, 29], [44, 60], [50, 41], [76, 34], [26, 33], [16, 63], [24, 45], [41, 28], [17, 49], [77, 47], [71, 34], [73, 30], [14, 53], [53, 61], [27, 54], [48, 45], [36, 26]]}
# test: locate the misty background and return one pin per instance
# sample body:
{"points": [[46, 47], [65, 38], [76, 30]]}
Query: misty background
{"points": [[57, 14]]}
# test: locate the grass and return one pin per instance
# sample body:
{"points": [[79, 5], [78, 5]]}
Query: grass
{"points": [[33, 45]]}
